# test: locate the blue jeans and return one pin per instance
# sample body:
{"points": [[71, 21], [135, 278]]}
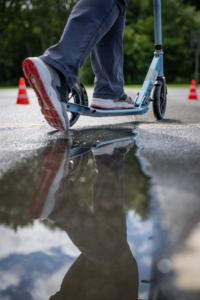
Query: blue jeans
{"points": [[94, 27]]}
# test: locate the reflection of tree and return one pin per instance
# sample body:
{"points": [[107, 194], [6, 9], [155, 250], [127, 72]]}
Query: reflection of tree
{"points": [[136, 185], [17, 188]]}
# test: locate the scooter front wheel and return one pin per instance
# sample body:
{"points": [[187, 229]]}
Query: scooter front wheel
{"points": [[159, 100], [78, 96]]}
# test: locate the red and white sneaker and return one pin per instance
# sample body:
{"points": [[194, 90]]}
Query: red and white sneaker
{"points": [[51, 89], [124, 102], [54, 169]]}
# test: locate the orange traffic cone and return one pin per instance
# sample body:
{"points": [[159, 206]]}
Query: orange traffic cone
{"points": [[193, 91], [22, 97]]}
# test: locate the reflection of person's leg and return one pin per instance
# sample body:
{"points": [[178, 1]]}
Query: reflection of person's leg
{"points": [[94, 239], [107, 64], [72, 287], [87, 24], [107, 268], [119, 279], [108, 199]]}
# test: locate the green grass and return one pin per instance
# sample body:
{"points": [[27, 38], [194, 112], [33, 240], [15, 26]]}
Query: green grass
{"points": [[170, 85], [7, 87]]}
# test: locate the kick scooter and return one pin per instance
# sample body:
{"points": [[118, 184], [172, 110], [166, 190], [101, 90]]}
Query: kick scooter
{"points": [[153, 89]]}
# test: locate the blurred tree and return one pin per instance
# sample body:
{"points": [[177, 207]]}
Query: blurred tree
{"points": [[196, 3], [28, 27], [195, 40], [178, 21]]}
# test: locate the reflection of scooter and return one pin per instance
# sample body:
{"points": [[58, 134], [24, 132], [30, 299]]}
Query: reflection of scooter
{"points": [[78, 153], [106, 268], [154, 80], [64, 160]]}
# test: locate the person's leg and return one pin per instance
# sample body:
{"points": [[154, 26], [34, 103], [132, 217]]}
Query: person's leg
{"points": [[107, 64], [87, 24]]}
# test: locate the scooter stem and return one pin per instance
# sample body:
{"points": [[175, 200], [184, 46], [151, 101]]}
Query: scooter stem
{"points": [[157, 25]]}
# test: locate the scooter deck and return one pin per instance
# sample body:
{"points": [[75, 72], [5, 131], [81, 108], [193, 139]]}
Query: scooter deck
{"points": [[93, 112], [85, 148]]}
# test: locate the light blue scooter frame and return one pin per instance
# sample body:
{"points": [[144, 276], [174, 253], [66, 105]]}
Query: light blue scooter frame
{"points": [[154, 73], [86, 148]]}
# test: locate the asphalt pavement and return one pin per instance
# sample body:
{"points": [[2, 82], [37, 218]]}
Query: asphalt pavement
{"points": [[169, 154]]}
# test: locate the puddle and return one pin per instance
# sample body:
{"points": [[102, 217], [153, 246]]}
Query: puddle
{"points": [[76, 223]]}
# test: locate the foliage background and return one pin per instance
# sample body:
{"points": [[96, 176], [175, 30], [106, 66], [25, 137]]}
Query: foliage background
{"points": [[28, 27]]}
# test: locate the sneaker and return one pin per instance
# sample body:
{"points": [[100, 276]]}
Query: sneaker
{"points": [[123, 102], [109, 148], [54, 169], [51, 89]]}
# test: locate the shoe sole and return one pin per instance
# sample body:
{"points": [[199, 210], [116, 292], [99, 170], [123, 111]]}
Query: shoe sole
{"points": [[39, 79]]}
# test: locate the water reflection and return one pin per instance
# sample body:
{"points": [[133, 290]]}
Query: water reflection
{"points": [[106, 268], [91, 187], [86, 231]]}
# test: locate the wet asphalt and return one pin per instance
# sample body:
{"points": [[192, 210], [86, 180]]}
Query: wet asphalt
{"points": [[164, 238], [170, 155]]}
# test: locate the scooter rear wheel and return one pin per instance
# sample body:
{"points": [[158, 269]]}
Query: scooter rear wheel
{"points": [[159, 100], [77, 166], [78, 96]]}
